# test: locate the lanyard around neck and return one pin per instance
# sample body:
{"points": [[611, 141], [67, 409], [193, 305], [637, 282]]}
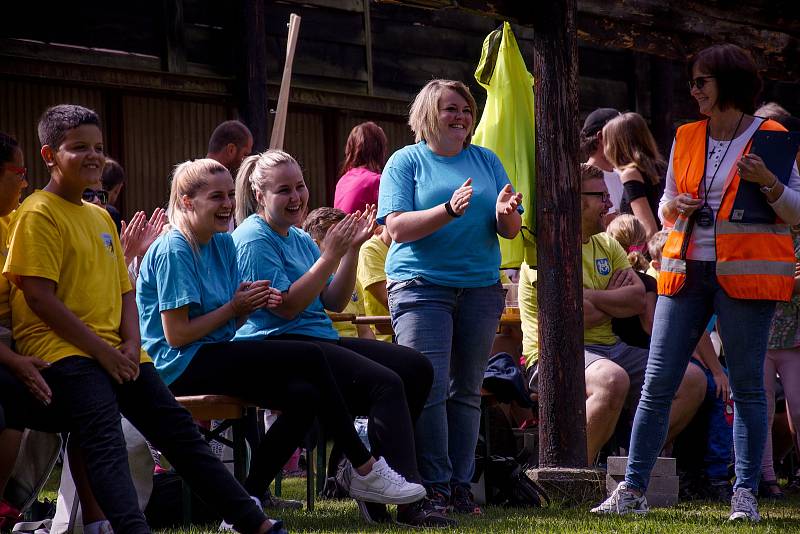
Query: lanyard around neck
{"points": [[706, 185]]}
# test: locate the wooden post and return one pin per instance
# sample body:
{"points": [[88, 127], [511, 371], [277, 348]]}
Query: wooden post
{"points": [[252, 101], [562, 393], [173, 58], [279, 125]]}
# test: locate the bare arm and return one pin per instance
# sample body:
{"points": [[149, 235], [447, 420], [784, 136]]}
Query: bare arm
{"points": [[646, 317], [625, 301], [337, 294], [364, 331], [378, 290], [408, 226], [180, 330], [706, 353], [640, 206], [40, 295], [592, 316]]}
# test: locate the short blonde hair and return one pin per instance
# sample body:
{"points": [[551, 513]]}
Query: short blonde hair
{"points": [[424, 115], [631, 234], [187, 180]]}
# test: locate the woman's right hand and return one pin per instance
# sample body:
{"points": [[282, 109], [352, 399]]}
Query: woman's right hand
{"points": [[28, 370], [461, 197], [684, 204], [250, 296], [116, 364], [340, 236]]}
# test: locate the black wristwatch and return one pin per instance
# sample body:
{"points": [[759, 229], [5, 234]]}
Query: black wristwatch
{"points": [[450, 211]]}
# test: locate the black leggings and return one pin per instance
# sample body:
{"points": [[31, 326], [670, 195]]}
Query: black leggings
{"points": [[289, 376], [388, 383]]}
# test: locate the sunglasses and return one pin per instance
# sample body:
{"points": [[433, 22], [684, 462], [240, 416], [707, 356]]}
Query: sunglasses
{"points": [[90, 194], [601, 194], [700, 82], [22, 172]]}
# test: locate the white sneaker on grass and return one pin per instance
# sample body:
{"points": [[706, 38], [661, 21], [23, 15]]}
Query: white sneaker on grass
{"points": [[384, 485], [622, 501], [744, 506]]}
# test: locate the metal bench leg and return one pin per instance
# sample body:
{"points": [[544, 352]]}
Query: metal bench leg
{"points": [[239, 450]]}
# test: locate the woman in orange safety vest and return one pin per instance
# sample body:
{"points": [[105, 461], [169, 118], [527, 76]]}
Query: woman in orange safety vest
{"points": [[716, 261]]}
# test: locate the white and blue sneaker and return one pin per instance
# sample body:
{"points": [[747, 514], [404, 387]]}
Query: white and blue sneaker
{"points": [[622, 501], [744, 506]]}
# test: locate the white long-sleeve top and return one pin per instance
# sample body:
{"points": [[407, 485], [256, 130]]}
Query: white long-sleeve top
{"points": [[787, 206]]}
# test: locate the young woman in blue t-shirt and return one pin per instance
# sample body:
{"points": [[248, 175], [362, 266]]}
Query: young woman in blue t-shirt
{"points": [[445, 201], [191, 299], [387, 382]]}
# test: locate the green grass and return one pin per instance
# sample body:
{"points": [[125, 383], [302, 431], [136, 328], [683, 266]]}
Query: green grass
{"points": [[701, 517]]}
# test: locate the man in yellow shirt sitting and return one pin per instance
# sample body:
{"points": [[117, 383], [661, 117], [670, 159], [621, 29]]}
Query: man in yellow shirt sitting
{"points": [[614, 371]]}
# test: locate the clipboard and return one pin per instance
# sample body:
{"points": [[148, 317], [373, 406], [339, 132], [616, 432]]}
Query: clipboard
{"points": [[778, 150]]}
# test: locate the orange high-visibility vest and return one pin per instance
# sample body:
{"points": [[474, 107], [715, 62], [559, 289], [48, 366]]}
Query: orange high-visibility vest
{"points": [[754, 261]]}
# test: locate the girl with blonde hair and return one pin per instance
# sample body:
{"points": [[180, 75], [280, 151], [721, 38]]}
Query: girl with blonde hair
{"points": [[630, 147], [191, 300], [387, 382]]}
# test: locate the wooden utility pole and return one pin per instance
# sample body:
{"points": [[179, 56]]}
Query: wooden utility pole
{"points": [[562, 392], [252, 85]]}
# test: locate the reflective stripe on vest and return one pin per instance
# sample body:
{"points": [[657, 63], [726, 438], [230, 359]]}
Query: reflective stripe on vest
{"points": [[754, 261]]}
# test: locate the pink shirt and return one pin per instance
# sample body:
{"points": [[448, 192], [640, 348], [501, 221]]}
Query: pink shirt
{"points": [[355, 189]]}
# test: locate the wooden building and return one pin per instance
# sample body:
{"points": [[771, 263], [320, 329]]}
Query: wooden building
{"points": [[163, 73]]}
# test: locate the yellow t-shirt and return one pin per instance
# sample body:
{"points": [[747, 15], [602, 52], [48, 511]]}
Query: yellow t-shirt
{"points": [[601, 256], [5, 285], [354, 306], [371, 270], [528, 313], [77, 247], [652, 271]]}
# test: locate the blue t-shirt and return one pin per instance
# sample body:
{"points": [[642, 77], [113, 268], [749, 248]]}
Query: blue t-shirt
{"points": [[464, 252], [171, 276], [263, 254]]}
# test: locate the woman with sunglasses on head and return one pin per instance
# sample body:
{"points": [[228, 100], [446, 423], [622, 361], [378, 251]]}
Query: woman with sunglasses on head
{"points": [[715, 263]]}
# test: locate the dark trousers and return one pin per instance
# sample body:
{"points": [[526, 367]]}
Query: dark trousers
{"points": [[389, 384], [90, 403], [290, 376], [19, 409]]}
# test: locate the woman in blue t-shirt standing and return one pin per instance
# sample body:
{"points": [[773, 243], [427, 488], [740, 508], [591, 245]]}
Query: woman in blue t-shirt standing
{"points": [[191, 299], [444, 201]]}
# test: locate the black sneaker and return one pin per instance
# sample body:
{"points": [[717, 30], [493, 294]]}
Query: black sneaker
{"points": [[374, 512], [462, 501], [439, 501], [423, 514], [719, 490]]}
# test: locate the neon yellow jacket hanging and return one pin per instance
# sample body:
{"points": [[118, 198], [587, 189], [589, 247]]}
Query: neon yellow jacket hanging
{"points": [[507, 128]]}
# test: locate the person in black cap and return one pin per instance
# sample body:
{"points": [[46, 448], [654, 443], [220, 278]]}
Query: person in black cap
{"points": [[592, 148]]}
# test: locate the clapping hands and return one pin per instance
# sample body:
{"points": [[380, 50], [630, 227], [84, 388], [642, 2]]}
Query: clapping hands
{"points": [[137, 235]]}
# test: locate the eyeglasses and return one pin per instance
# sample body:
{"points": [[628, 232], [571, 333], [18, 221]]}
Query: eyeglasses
{"points": [[700, 82], [603, 195], [90, 194], [22, 172]]}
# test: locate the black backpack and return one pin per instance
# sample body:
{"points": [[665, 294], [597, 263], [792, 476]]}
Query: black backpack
{"points": [[507, 484]]}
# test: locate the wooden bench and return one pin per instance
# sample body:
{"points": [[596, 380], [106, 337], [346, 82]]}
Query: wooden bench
{"points": [[231, 411]]}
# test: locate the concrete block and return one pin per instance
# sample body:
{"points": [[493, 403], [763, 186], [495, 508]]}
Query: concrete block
{"points": [[664, 466], [568, 485]]}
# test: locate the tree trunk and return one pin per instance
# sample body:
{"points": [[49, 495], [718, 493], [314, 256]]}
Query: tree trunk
{"points": [[562, 426]]}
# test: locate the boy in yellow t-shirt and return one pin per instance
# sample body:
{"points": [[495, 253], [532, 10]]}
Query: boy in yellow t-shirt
{"points": [[371, 274], [73, 305], [317, 224]]}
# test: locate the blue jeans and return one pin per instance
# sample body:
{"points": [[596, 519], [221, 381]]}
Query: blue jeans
{"points": [[679, 322], [454, 328]]}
